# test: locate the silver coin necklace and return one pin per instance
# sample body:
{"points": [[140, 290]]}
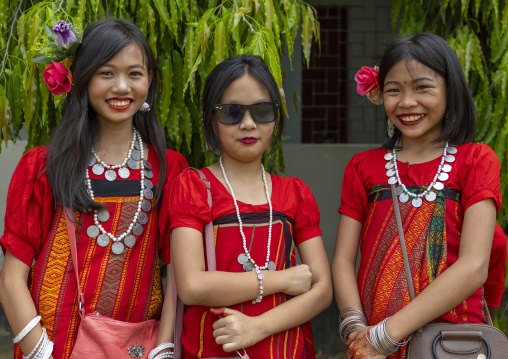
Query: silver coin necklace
{"points": [[245, 258], [126, 239], [437, 183]]}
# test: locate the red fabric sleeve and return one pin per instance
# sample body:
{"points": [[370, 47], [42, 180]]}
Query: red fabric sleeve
{"points": [[483, 178], [175, 163], [29, 208], [494, 286], [307, 216], [354, 199]]}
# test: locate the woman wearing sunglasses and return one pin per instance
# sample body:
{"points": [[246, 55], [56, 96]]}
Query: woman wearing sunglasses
{"points": [[258, 220]]}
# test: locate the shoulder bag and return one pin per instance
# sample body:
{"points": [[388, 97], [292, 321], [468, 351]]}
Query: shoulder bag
{"points": [[211, 266], [449, 340], [102, 337]]}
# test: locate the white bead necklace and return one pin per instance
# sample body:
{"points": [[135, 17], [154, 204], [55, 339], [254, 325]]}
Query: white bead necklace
{"points": [[240, 224], [441, 175], [117, 246]]}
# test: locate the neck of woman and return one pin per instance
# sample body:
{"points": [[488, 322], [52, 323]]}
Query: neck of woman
{"points": [[113, 142], [247, 171], [419, 150]]}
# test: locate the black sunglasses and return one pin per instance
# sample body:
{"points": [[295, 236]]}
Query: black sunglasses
{"points": [[232, 113]]}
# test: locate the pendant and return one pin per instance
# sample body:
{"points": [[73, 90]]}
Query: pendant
{"points": [[451, 150], [98, 169], [248, 266], [117, 248], [446, 168], [110, 175], [148, 193], [91, 161], [135, 155], [142, 218], [124, 172], [92, 231], [133, 165], [129, 240], [147, 164], [136, 145], [389, 156], [148, 183], [443, 176], [389, 165], [137, 229], [148, 173], [146, 205], [449, 158], [392, 180], [390, 173], [271, 265], [430, 196], [103, 215], [242, 258], [103, 240], [399, 190], [404, 197], [416, 202], [439, 186]]}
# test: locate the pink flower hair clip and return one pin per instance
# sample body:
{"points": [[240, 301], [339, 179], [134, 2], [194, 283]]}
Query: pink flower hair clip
{"points": [[367, 83]]}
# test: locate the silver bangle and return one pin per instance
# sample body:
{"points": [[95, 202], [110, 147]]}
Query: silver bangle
{"points": [[34, 350], [163, 346], [167, 355], [351, 319], [260, 277], [27, 329], [378, 337], [46, 348]]}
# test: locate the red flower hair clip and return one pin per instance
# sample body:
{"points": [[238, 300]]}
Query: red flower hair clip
{"points": [[367, 83]]}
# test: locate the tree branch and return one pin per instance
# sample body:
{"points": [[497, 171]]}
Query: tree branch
{"points": [[59, 6], [10, 36], [244, 19]]}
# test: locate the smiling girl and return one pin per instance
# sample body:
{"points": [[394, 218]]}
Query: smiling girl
{"points": [[107, 161], [258, 221], [448, 193]]}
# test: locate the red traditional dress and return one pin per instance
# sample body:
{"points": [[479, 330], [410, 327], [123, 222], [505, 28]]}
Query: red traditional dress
{"points": [[125, 287], [494, 285], [432, 231], [295, 220]]}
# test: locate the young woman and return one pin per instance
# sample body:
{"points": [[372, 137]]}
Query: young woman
{"points": [[448, 192], [258, 220], [106, 150]]}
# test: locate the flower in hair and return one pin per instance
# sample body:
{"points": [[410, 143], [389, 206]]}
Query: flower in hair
{"points": [[367, 83], [65, 36], [58, 78]]}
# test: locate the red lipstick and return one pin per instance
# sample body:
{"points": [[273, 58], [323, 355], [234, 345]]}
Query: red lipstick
{"points": [[119, 108], [248, 140]]}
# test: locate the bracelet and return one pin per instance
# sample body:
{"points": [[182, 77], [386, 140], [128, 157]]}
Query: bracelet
{"points": [[34, 350], [351, 323], [378, 337], [167, 355], [163, 346], [45, 349], [27, 329], [260, 277]]}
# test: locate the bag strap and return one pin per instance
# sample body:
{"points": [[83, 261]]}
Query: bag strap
{"points": [[178, 305], [407, 269], [71, 231]]}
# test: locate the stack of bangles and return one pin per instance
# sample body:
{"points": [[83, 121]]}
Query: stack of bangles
{"points": [[156, 353], [378, 337], [351, 319], [44, 347]]}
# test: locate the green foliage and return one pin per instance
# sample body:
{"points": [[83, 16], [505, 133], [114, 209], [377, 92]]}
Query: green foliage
{"points": [[477, 31], [189, 38]]}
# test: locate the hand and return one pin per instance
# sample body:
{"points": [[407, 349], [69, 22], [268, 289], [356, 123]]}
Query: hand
{"points": [[299, 279], [357, 334], [360, 348], [235, 330]]}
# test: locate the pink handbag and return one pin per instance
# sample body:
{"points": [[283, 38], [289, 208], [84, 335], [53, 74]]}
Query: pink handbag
{"points": [[101, 337], [211, 266]]}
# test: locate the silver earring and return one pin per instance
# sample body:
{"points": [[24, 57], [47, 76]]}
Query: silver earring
{"points": [[145, 107], [390, 128]]}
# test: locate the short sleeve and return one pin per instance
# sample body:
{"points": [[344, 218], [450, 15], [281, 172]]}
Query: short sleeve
{"points": [[307, 215], [29, 208], [354, 200], [483, 177], [494, 286], [175, 163]]}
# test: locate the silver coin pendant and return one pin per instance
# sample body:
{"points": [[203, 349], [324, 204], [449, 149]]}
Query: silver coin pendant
{"points": [[399, 190], [148, 183], [135, 155], [450, 158], [271, 265], [248, 266], [91, 160], [92, 231], [110, 175], [242, 258], [392, 180], [136, 145], [430, 196], [103, 215], [443, 176], [404, 197], [446, 168], [129, 240], [390, 173], [98, 169], [148, 193], [416, 202], [103, 240], [451, 150], [142, 218], [147, 164], [389, 165], [117, 248], [148, 173], [124, 172], [133, 165], [137, 229], [389, 156], [146, 205], [439, 186]]}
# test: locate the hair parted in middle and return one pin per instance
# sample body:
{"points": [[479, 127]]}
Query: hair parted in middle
{"points": [[71, 142], [220, 78], [459, 124]]}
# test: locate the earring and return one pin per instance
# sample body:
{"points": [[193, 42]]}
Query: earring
{"points": [[390, 128], [145, 107]]}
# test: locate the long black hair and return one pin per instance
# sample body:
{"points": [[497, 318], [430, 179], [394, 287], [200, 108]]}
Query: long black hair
{"points": [[72, 141], [220, 78], [459, 124]]}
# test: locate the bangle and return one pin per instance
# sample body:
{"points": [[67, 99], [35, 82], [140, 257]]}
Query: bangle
{"points": [[167, 355], [163, 346], [34, 350], [354, 320], [260, 277], [378, 337], [27, 329]]}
